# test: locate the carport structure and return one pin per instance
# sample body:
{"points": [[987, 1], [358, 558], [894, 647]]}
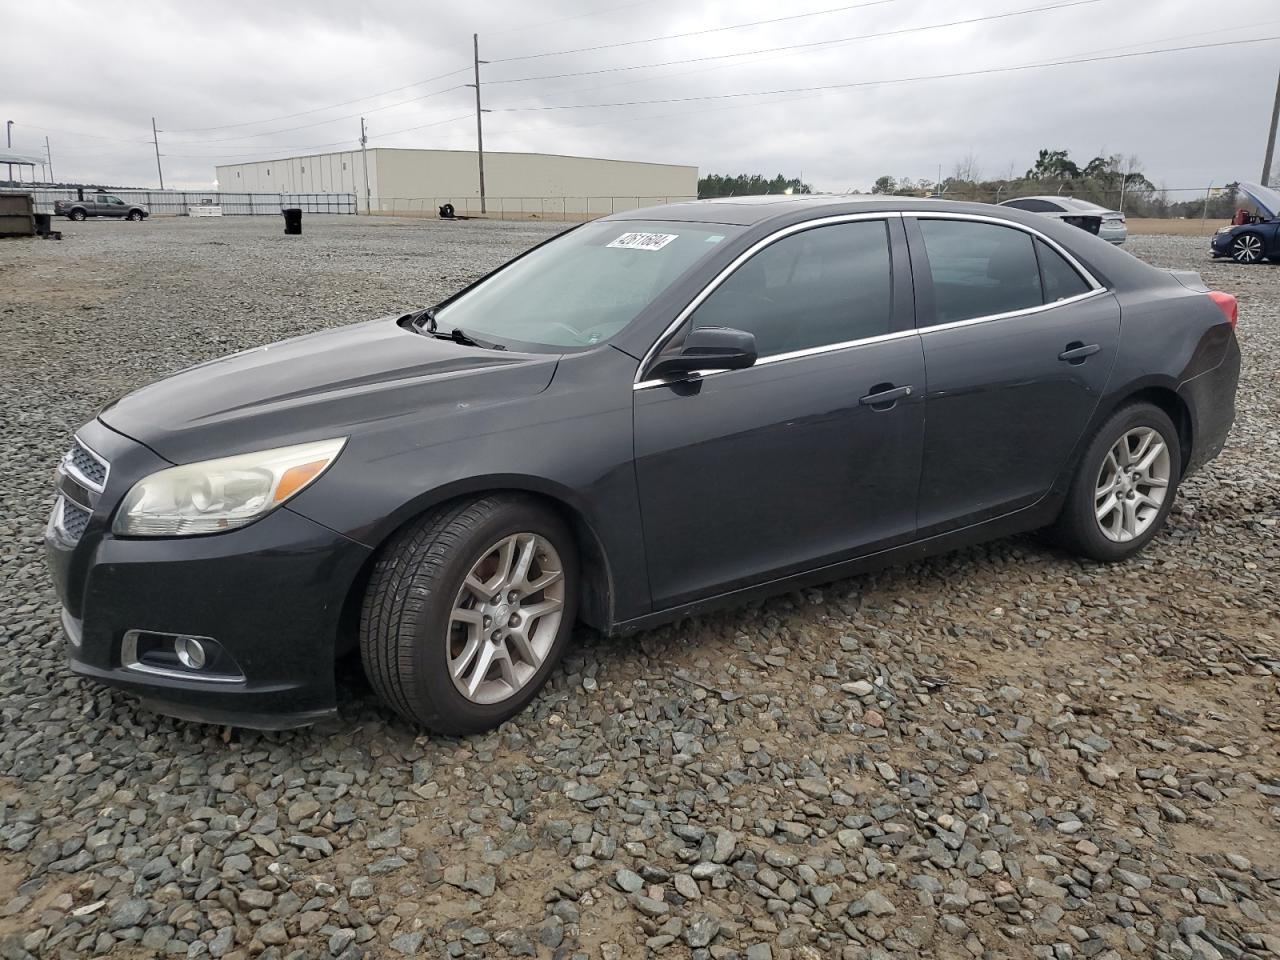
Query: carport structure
{"points": [[13, 159]]}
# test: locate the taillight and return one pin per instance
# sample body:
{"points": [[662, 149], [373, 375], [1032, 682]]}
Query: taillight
{"points": [[1227, 304]]}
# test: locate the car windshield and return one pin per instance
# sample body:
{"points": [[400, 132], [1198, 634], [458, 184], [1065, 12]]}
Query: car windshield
{"points": [[583, 287]]}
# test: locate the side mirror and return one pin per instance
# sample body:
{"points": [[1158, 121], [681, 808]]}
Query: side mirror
{"points": [[709, 348]]}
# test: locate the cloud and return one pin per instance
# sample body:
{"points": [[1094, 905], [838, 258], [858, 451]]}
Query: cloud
{"points": [[1192, 117]]}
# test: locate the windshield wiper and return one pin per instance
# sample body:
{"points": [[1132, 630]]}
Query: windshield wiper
{"points": [[461, 337], [424, 321]]}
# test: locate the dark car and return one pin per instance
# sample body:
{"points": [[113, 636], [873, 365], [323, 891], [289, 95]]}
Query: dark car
{"points": [[100, 205], [647, 416], [1259, 238]]}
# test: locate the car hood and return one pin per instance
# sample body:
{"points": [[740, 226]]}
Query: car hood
{"points": [[1266, 199], [319, 386]]}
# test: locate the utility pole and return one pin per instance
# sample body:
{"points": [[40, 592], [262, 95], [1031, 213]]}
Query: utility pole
{"points": [[475, 46], [156, 140], [364, 162], [49, 154], [8, 138], [1271, 138]]}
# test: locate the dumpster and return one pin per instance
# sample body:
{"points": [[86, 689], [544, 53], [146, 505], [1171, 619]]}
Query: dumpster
{"points": [[17, 215], [292, 219]]}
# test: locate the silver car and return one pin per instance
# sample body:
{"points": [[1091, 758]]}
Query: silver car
{"points": [[1107, 224]]}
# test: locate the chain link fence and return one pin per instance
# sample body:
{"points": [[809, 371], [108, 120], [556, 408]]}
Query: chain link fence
{"points": [[175, 203], [568, 209]]}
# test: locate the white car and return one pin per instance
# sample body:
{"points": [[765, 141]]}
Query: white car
{"points": [[1107, 224]]}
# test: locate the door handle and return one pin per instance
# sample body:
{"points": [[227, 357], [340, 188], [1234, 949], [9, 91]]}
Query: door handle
{"points": [[1077, 352], [883, 396]]}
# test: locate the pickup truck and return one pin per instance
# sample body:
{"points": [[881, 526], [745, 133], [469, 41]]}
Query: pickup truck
{"points": [[99, 205]]}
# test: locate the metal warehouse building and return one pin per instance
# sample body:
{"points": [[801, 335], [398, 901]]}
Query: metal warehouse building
{"points": [[418, 182]]}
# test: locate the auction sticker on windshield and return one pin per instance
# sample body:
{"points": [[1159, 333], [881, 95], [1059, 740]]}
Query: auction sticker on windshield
{"points": [[643, 241]]}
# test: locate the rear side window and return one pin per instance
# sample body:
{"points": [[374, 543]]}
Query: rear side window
{"points": [[1060, 278], [1035, 206], [815, 288], [980, 269]]}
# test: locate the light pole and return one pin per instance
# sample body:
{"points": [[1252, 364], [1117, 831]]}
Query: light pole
{"points": [[8, 139]]}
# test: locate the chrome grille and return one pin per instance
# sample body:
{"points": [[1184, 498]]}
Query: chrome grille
{"points": [[87, 465], [72, 519]]}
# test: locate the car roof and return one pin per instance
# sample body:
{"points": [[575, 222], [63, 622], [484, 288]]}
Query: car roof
{"points": [[749, 211], [1068, 202]]}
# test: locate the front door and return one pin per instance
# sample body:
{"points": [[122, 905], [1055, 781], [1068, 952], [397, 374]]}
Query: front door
{"points": [[1018, 345], [808, 457]]}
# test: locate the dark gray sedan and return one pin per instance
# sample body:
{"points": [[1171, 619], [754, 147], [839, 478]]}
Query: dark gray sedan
{"points": [[651, 414]]}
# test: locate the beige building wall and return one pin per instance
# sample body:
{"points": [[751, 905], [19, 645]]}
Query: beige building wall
{"points": [[404, 181]]}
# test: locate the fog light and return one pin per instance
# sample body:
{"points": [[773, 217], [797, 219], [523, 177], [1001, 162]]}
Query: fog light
{"points": [[190, 652]]}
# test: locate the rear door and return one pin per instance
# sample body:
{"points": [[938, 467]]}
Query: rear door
{"points": [[1019, 342], [808, 457]]}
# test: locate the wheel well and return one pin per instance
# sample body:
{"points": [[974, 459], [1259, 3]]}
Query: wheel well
{"points": [[595, 607], [1176, 409]]}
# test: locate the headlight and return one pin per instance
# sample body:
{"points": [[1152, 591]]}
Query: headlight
{"points": [[1223, 230], [217, 495]]}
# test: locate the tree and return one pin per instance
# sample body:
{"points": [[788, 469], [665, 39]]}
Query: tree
{"points": [[1053, 165], [748, 185], [885, 184]]}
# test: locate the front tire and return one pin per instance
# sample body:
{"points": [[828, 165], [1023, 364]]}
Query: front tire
{"points": [[468, 610], [135, 215], [1124, 486], [1247, 249]]}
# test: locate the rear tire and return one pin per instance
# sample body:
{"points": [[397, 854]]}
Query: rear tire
{"points": [[76, 215], [1247, 249], [446, 641], [1118, 500]]}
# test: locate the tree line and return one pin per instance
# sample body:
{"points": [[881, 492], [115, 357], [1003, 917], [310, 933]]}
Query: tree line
{"points": [[1114, 181]]}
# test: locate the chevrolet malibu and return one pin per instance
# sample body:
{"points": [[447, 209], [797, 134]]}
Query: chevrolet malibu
{"points": [[646, 416]]}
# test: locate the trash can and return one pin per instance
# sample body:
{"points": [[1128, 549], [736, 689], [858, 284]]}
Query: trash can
{"points": [[44, 224], [292, 219]]}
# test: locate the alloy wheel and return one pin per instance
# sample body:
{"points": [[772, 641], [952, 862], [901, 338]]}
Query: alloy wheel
{"points": [[505, 618], [1247, 248], [1132, 484]]}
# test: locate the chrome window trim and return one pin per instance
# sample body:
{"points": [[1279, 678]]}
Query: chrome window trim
{"points": [[727, 271], [70, 468], [1027, 311], [1000, 222], [129, 660]]}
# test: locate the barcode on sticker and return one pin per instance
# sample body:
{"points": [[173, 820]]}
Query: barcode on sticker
{"points": [[643, 241]]}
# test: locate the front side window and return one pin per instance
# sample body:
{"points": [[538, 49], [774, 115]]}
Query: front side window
{"points": [[815, 288], [980, 269], [584, 286]]}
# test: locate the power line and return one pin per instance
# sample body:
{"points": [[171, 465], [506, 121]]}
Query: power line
{"points": [[331, 106], [321, 123], [1198, 34], [808, 45], [694, 33], [874, 83], [407, 86]]}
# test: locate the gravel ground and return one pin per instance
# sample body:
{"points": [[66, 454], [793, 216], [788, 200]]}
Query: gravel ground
{"points": [[1001, 752]]}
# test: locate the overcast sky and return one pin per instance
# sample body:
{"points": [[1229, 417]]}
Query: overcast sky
{"points": [[90, 74]]}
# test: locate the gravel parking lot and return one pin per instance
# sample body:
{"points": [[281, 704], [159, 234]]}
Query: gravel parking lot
{"points": [[1004, 752]]}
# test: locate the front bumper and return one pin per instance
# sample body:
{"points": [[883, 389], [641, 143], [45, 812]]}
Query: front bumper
{"points": [[270, 595]]}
